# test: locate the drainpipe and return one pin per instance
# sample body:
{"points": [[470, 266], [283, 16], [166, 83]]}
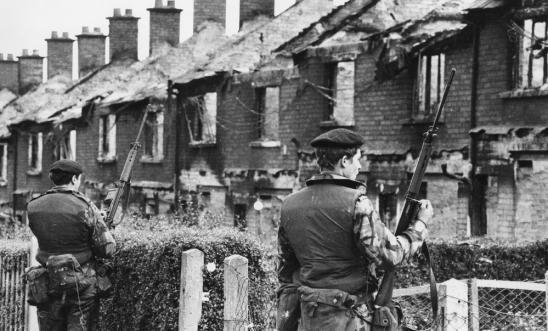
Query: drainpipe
{"points": [[177, 129]]}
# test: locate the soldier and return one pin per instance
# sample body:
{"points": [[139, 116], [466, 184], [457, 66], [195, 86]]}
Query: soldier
{"points": [[70, 231], [330, 240]]}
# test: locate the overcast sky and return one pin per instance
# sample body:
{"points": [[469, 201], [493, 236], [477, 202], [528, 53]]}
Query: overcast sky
{"points": [[24, 24]]}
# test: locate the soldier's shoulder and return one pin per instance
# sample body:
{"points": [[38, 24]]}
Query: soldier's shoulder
{"points": [[79, 195]]}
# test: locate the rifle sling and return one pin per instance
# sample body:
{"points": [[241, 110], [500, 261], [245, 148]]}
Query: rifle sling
{"points": [[433, 287]]}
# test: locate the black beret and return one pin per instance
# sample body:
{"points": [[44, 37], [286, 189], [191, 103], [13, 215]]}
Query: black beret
{"points": [[342, 138], [69, 166]]}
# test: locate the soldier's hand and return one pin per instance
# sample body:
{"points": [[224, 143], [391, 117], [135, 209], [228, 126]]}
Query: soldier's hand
{"points": [[426, 211]]}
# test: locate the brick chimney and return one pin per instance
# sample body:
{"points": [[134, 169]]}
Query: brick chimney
{"points": [[231, 13], [59, 55], [31, 70], [123, 33], [91, 50], [165, 24], [9, 73]]}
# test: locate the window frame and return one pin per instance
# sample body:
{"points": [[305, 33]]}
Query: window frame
{"points": [[35, 165], [525, 69], [107, 137], [203, 123], [69, 142], [3, 163], [155, 152], [423, 105]]}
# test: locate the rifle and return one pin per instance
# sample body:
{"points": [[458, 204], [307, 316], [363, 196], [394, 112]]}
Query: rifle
{"points": [[411, 209], [115, 195]]}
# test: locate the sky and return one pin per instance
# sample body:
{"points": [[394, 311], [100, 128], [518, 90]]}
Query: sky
{"points": [[25, 24]]}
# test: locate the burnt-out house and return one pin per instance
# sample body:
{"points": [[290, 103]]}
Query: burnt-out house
{"points": [[6, 150]]}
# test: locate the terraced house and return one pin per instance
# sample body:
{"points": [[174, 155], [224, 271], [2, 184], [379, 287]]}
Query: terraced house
{"points": [[236, 106]]}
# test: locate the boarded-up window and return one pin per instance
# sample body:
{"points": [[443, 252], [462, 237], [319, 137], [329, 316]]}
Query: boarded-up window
{"points": [[107, 136], [339, 90], [3, 162], [204, 122], [65, 147], [35, 151], [431, 76], [267, 100], [154, 136], [532, 57]]}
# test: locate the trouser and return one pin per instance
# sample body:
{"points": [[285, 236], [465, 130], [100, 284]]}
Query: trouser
{"points": [[289, 309], [330, 309]]}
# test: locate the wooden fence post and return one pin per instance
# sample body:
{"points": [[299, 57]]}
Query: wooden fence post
{"points": [[454, 303], [190, 294], [236, 293], [474, 305]]}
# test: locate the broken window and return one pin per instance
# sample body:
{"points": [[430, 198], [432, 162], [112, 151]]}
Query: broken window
{"points": [[65, 147], [339, 90], [204, 123], [107, 137], [431, 77], [154, 136], [532, 56], [388, 209], [35, 151], [267, 105], [240, 212], [3, 162]]}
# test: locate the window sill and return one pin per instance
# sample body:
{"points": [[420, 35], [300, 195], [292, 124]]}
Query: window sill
{"points": [[525, 93], [202, 144], [337, 124], [151, 159], [3, 182], [34, 172], [265, 144], [106, 159]]}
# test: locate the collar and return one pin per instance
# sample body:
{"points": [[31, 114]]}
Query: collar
{"points": [[334, 178]]}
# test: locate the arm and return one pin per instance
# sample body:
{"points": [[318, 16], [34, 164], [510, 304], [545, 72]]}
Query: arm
{"points": [[103, 243], [378, 244]]}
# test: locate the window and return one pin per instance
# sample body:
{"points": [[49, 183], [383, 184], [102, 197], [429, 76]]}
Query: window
{"points": [[203, 125], [388, 209], [35, 152], [532, 56], [107, 137], [339, 85], [240, 211], [154, 136], [3, 163], [431, 76], [267, 104], [65, 147]]}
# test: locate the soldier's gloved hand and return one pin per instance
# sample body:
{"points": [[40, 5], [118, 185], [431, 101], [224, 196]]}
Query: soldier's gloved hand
{"points": [[426, 212]]}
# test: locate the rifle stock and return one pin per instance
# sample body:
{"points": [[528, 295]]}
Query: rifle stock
{"points": [[115, 196], [412, 207]]}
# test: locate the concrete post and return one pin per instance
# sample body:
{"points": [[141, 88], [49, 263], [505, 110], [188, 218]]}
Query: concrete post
{"points": [[236, 293], [190, 297], [454, 303], [474, 305]]}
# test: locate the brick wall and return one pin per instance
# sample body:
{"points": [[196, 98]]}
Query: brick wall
{"points": [[164, 26], [30, 70], [123, 32], [9, 74], [91, 51], [212, 10], [7, 190], [59, 55], [251, 8]]}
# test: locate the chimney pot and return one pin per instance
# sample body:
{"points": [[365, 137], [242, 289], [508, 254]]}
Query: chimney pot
{"points": [[85, 29], [54, 35], [35, 52], [10, 57], [25, 52], [171, 3], [65, 35], [1, 56], [158, 4], [117, 12], [129, 12], [97, 30]]}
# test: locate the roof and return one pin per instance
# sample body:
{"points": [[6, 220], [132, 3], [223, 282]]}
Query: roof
{"points": [[486, 4], [6, 96], [252, 48]]}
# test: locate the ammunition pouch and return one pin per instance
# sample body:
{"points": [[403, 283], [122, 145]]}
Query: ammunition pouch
{"points": [[37, 280], [104, 285], [67, 276], [387, 318]]}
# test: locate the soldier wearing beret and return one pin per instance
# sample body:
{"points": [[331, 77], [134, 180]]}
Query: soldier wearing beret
{"points": [[331, 239], [66, 223]]}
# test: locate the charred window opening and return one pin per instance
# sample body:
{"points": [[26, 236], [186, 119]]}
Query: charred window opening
{"points": [[388, 209], [330, 83], [267, 105], [65, 146], [107, 136], [154, 136], [532, 58], [525, 164], [431, 76], [3, 162], [339, 92], [35, 151], [240, 212], [203, 124]]}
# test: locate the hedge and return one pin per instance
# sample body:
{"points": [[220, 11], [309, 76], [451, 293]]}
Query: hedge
{"points": [[146, 278]]}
